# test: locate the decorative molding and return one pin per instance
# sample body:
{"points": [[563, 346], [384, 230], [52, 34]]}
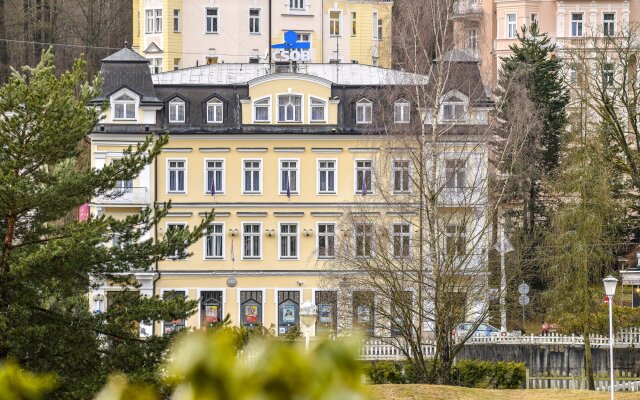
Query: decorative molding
{"points": [[401, 213], [364, 213], [326, 150], [251, 214], [215, 214], [289, 149], [177, 150], [179, 214], [214, 149], [325, 214], [288, 214], [364, 149], [251, 149]]}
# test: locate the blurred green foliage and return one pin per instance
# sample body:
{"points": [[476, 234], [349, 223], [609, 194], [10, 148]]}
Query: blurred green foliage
{"points": [[17, 384]]}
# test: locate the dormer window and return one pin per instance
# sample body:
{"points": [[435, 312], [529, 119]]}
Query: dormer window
{"points": [[364, 109], [453, 109], [297, 5], [262, 110], [124, 107], [176, 111], [290, 108], [401, 112], [318, 110], [214, 111]]}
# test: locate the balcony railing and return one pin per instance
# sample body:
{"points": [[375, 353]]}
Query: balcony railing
{"points": [[466, 7], [131, 195]]}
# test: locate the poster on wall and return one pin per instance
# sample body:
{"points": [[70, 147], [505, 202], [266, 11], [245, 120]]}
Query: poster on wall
{"points": [[211, 314], [363, 314], [288, 314], [251, 314], [324, 313]]}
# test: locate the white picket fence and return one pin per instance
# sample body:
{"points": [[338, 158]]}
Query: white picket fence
{"points": [[388, 349], [622, 381], [626, 338]]}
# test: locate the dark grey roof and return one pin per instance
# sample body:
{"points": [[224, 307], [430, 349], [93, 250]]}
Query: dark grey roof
{"points": [[125, 55], [459, 56]]}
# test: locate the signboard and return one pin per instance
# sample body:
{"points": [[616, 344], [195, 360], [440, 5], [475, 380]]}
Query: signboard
{"points": [[291, 49], [83, 212], [523, 300], [523, 288]]}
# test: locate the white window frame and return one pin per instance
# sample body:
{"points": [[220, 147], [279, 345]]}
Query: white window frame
{"points": [[155, 65], [260, 175], [186, 297], [205, 239], [473, 39], [186, 171], [464, 101], [282, 191], [312, 106], [269, 109], [148, 21], [402, 237], [335, 241], [297, 5], [207, 188], [405, 111], [333, 24], [176, 20], [167, 226], [372, 236], [224, 301], [285, 121], [458, 173], [135, 102], [511, 27], [370, 190], [577, 25], [335, 176], [259, 235], [215, 103], [177, 103], [213, 18], [153, 20], [297, 241], [608, 74], [364, 104], [394, 169], [533, 17], [611, 23], [460, 232], [354, 23], [374, 25], [255, 21]]}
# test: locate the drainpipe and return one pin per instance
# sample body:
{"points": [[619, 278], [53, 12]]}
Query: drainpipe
{"points": [[322, 33], [269, 49], [155, 230]]}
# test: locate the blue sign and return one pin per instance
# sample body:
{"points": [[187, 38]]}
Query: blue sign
{"points": [[291, 49], [291, 42]]}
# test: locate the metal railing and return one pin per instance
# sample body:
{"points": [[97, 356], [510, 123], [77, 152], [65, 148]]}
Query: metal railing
{"points": [[464, 7], [130, 195], [626, 338]]}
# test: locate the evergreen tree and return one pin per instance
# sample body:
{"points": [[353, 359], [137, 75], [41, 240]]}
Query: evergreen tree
{"points": [[48, 262]]}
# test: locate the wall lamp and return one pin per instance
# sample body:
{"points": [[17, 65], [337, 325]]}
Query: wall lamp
{"points": [[269, 232], [307, 232], [233, 232]]}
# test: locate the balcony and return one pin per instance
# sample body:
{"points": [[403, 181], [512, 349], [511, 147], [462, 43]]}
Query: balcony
{"points": [[125, 196], [466, 8]]}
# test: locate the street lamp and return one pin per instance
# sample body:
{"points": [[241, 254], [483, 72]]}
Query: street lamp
{"points": [[610, 290], [308, 314]]}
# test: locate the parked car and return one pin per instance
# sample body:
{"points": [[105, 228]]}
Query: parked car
{"points": [[482, 329]]}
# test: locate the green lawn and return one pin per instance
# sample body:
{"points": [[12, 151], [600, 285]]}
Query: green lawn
{"points": [[436, 392]]}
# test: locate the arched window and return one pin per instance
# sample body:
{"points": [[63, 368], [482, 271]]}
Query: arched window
{"points": [[124, 107], [290, 108], [214, 111], [401, 112], [364, 109], [453, 109], [176, 111]]}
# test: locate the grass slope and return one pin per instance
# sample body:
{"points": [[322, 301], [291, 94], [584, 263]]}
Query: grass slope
{"points": [[436, 392]]}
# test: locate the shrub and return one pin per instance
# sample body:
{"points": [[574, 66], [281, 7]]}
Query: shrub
{"points": [[381, 372], [489, 375]]}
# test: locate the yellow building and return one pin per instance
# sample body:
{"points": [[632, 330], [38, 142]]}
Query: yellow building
{"points": [[280, 157], [175, 34]]}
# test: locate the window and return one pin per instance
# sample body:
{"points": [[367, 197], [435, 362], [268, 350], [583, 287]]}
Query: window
{"points": [[327, 176], [609, 24], [210, 307], [211, 60], [176, 20], [252, 176], [326, 240], [455, 174], [400, 176], [169, 327], [214, 170], [214, 240], [288, 176], [304, 37], [290, 108], [364, 176], [363, 311], [573, 73], [576, 24], [261, 110], [379, 27], [318, 110], [251, 308], [608, 74], [401, 112], [401, 238], [176, 64], [334, 23], [177, 175], [214, 111], [473, 40], [455, 241], [124, 107], [512, 28], [125, 186], [327, 322], [354, 24], [289, 241], [374, 24], [296, 5], [153, 21], [533, 18], [176, 110], [254, 20], [364, 240], [211, 20], [172, 229], [453, 109], [251, 241], [364, 109], [288, 310], [155, 65]]}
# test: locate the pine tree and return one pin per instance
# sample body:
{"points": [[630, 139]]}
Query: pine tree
{"points": [[48, 263]]}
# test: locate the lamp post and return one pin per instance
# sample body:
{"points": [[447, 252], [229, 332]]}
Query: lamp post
{"points": [[308, 314], [610, 290]]}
